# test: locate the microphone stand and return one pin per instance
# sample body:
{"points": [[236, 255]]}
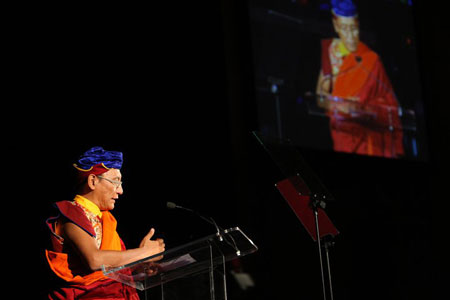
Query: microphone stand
{"points": [[210, 220]]}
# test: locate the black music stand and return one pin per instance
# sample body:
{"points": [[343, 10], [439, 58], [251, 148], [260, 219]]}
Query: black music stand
{"points": [[306, 196]]}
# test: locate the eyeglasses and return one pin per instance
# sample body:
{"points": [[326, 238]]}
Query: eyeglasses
{"points": [[348, 28], [116, 183]]}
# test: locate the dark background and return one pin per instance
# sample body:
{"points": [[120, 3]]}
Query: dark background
{"points": [[172, 87]]}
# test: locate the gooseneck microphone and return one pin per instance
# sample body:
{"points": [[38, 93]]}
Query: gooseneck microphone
{"points": [[171, 205], [228, 238]]}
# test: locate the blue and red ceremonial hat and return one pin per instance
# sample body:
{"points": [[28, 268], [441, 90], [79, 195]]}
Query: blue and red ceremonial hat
{"points": [[344, 8], [97, 161]]}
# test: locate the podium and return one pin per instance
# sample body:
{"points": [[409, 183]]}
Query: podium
{"points": [[379, 116], [206, 255]]}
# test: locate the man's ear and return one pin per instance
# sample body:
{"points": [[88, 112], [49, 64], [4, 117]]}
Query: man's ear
{"points": [[92, 181], [335, 25]]}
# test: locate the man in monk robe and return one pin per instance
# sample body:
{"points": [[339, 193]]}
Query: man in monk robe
{"points": [[84, 236], [355, 91]]}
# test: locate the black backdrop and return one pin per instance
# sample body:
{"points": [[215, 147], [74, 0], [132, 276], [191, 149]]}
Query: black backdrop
{"points": [[171, 87]]}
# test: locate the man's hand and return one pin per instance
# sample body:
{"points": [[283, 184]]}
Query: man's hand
{"points": [[95, 258], [152, 247]]}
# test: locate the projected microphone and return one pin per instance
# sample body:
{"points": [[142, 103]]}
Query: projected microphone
{"points": [[171, 205]]}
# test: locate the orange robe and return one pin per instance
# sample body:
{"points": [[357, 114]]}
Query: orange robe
{"points": [[374, 127], [74, 280]]}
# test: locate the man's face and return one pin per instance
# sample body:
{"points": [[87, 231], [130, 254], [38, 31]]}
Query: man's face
{"points": [[347, 29], [108, 192]]}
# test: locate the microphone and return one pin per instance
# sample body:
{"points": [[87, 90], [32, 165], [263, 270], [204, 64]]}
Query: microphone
{"points": [[210, 220], [171, 205]]}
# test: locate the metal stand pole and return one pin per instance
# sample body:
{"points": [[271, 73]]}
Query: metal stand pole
{"points": [[327, 245], [212, 291], [316, 218]]}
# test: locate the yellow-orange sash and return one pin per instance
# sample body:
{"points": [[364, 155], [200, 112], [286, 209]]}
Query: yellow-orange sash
{"points": [[354, 72]]}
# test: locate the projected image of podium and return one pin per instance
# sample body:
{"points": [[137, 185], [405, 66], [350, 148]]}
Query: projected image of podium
{"points": [[372, 115], [205, 257]]}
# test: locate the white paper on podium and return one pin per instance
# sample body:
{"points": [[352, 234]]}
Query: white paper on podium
{"points": [[176, 263]]}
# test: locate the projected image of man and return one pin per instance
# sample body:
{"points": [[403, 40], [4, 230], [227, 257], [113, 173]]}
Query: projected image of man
{"points": [[355, 91]]}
